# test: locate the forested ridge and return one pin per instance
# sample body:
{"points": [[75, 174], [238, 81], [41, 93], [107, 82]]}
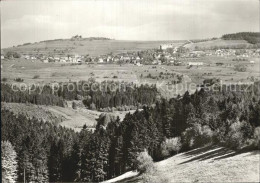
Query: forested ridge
{"points": [[100, 95], [50, 153], [250, 37], [15, 94]]}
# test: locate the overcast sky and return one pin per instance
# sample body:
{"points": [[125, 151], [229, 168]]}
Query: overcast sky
{"points": [[31, 21]]}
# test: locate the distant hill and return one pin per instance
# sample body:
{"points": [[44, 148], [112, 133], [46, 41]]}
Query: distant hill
{"points": [[93, 46], [250, 37], [217, 44]]}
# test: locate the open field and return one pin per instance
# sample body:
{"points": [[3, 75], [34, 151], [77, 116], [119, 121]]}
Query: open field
{"points": [[84, 47], [216, 43], [57, 72], [42, 113], [64, 116], [206, 164]]}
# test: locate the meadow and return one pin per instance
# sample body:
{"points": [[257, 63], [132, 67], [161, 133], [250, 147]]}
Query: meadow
{"points": [[88, 47], [162, 75]]}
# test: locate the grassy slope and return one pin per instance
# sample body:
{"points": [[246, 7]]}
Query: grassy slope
{"points": [[66, 117], [208, 164], [218, 42], [36, 111], [93, 48]]}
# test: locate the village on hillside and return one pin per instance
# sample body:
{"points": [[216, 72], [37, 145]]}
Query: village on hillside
{"points": [[168, 54]]}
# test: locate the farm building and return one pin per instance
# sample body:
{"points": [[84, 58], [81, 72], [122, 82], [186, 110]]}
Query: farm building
{"points": [[2, 57], [195, 63], [197, 53], [165, 46], [139, 64], [252, 62], [26, 56], [100, 60]]}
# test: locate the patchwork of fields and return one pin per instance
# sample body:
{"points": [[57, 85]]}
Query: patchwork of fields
{"points": [[43, 73]]}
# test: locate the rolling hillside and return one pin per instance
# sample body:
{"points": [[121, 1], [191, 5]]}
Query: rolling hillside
{"points": [[207, 164], [64, 116], [216, 43], [87, 46]]}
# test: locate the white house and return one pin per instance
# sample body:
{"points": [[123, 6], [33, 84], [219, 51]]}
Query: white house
{"points": [[78, 60], [139, 64], [2, 57], [195, 63], [27, 57], [165, 46], [100, 60], [57, 59]]}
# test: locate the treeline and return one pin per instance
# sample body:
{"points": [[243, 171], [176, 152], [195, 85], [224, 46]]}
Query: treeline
{"points": [[38, 96], [93, 94], [50, 153], [250, 37], [44, 152], [108, 93]]}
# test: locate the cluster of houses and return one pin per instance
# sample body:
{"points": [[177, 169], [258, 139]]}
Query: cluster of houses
{"points": [[166, 54], [62, 59], [238, 53], [124, 57]]}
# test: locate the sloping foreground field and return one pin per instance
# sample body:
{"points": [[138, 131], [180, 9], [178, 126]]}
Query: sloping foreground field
{"points": [[208, 164], [64, 116]]}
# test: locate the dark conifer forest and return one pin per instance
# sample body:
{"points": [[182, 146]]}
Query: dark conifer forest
{"points": [[250, 37], [49, 153], [102, 95]]}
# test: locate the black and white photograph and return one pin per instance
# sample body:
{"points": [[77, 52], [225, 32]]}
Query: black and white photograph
{"points": [[130, 91]]}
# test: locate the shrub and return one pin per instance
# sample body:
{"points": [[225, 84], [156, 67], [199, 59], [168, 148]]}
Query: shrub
{"points": [[238, 135], [36, 76], [18, 79], [144, 162], [240, 68], [11, 54], [74, 105], [171, 146], [257, 138], [92, 106], [4, 79], [197, 136]]}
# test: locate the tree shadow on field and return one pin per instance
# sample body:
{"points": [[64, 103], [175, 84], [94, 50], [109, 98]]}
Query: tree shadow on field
{"points": [[133, 179], [201, 150], [210, 152]]}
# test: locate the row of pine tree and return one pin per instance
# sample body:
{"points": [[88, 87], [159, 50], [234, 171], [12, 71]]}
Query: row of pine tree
{"points": [[48, 153], [102, 95]]}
